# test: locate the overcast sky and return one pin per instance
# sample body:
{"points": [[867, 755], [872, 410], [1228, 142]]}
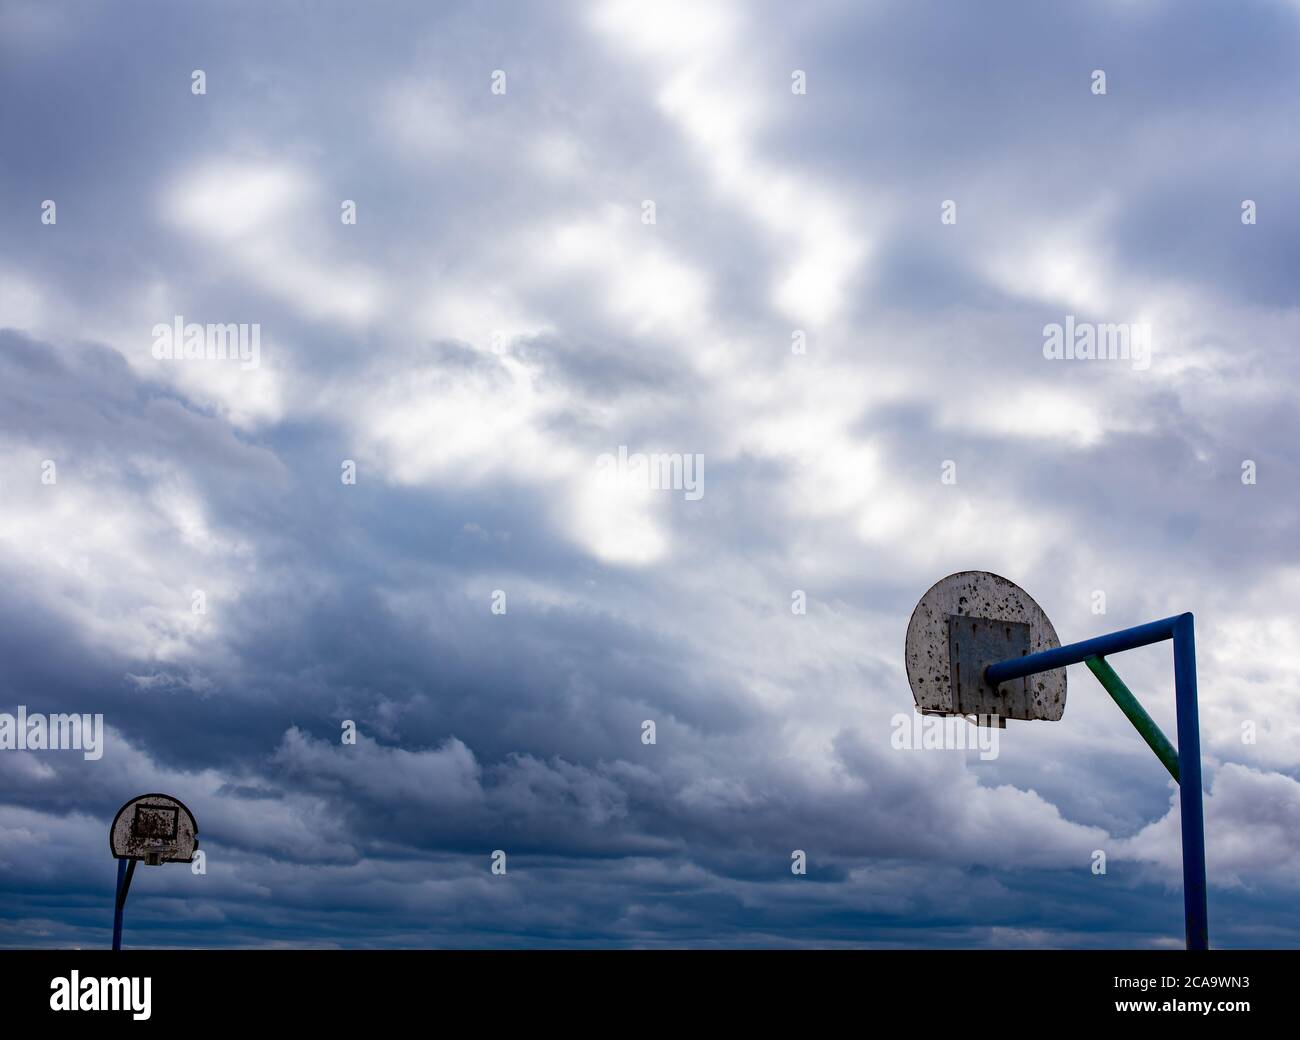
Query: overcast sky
{"points": [[499, 316]]}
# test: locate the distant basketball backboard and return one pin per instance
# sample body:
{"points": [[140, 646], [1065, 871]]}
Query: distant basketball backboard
{"points": [[155, 828], [965, 622]]}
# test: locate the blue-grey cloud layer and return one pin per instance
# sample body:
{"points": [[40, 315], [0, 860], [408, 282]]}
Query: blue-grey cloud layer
{"points": [[499, 317]]}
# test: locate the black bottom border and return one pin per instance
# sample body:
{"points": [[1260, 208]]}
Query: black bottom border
{"points": [[334, 988]]}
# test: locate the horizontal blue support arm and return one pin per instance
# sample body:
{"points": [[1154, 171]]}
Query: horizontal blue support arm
{"points": [[1075, 653]]}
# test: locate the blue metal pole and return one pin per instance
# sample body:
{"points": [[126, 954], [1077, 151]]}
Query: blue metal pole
{"points": [[125, 872], [1076, 653], [1189, 785], [119, 902]]}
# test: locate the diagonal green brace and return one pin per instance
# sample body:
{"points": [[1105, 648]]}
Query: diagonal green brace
{"points": [[1137, 715]]}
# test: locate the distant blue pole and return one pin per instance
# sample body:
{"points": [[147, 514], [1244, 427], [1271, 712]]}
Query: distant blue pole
{"points": [[118, 904], [1180, 630], [125, 871]]}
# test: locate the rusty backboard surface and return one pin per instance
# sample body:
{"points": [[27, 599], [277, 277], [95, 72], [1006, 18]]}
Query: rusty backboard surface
{"points": [[980, 594], [973, 644], [155, 828]]}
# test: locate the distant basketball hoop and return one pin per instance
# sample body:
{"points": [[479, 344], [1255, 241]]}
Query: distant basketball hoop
{"points": [[153, 829]]}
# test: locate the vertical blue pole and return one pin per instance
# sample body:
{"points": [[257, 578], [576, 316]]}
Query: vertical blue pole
{"points": [[1189, 785], [119, 902]]}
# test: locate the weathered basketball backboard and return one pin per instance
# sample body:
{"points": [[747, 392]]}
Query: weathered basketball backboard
{"points": [[966, 622], [155, 828]]}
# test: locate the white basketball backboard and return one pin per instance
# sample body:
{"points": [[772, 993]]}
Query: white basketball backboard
{"points": [[970, 620]]}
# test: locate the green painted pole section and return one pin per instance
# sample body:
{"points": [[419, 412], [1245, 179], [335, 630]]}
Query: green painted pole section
{"points": [[1137, 715]]}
